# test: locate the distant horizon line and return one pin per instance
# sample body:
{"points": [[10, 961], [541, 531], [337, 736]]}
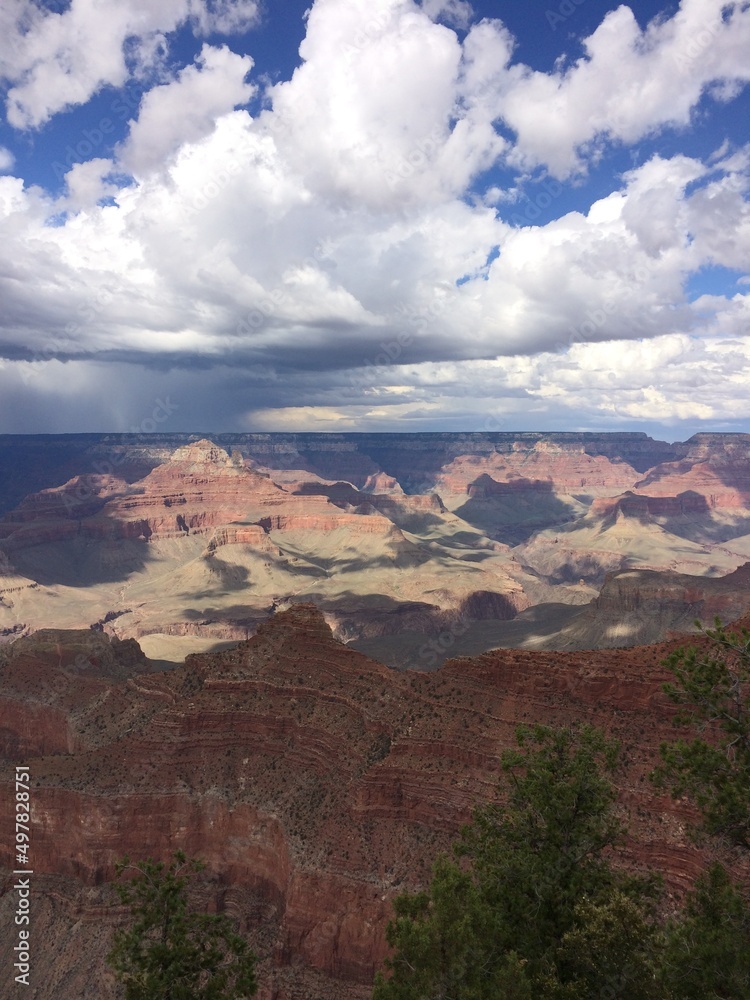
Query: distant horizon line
{"points": [[201, 434]]}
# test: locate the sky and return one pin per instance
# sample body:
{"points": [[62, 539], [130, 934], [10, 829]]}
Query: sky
{"points": [[374, 215]]}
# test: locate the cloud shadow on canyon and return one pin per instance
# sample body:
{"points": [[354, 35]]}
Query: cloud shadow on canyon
{"points": [[512, 512]]}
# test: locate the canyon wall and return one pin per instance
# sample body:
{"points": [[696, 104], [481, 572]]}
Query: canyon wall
{"points": [[315, 782], [29, 463], [175, 536]]}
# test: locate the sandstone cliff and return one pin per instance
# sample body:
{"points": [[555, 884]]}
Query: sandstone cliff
{"points": [[206, 545], [167, 537], [30, 463], [640, 606]]}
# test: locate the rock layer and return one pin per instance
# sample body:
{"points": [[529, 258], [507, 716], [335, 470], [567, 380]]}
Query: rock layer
{"points": [[204, 527], [381, 531]]}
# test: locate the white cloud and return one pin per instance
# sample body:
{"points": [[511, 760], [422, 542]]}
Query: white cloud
{"points": [[667, 380], [225, 17], [6, 160], [14, 201], [229, 250], [186, 109], [87, 183], [387, 108], [337, 228], [456, 13], [56, 61], [628, 84]]}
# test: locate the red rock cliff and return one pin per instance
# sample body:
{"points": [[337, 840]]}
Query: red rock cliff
{"points": [[316, 783]]}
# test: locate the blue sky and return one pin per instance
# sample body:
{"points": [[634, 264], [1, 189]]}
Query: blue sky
{"points": [[389, 215]]}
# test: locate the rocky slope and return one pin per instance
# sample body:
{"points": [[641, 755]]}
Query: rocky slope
{"points": [[634, 607], [51, 682], [173, 538], [715, 466], [206, 545], [31, 463], [567, 468], [314, 781], [641, 606]]}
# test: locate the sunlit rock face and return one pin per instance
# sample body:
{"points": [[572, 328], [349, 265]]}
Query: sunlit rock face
{"points": [[382, 463], [184, 542]]}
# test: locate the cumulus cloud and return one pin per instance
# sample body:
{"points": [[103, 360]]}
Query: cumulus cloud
{"points": [[87, 184], [456, 13], [371, 103], [629, 83], [225, 17], [336, 250], [186, 109], [55, 61]]}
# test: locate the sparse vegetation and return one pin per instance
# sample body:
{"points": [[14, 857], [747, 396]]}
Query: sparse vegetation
{"points": [[170, 952], [531, 905], [713, 688], [709, 949], [530, 897]]}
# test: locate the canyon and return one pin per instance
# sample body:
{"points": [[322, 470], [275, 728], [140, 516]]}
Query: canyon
{"points": [[315, 782], [186, 543], [301, 658]]}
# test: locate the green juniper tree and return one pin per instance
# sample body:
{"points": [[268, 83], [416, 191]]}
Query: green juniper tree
{"points": [[530, 906], [708, 953], [708, 945], [169, 952], [713, 687]]}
